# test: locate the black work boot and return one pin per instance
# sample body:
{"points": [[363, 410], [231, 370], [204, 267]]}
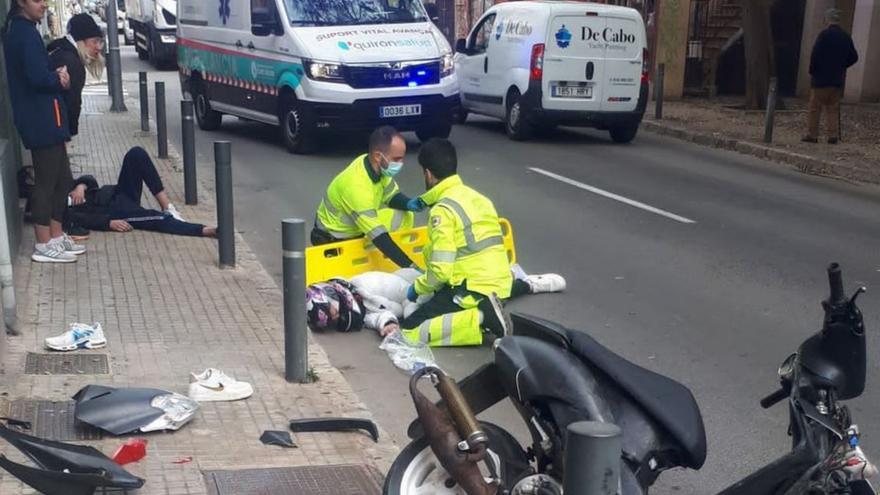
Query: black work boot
{"points": [[495, 319]]}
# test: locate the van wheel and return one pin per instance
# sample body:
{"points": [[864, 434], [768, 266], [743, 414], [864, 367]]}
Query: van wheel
{"points": [[624, 133], [142, 54], [461, 116], [298, 131], [516, 124], [440, 130], [208, 118]]}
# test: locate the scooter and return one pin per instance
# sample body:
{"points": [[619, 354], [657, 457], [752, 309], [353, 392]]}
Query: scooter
{"points": [[558, 378]]}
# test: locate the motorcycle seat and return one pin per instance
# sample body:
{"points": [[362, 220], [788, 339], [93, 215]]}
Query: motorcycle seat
{"points": [[668, 402]]}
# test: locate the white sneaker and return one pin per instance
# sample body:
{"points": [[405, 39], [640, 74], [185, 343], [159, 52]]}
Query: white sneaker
{"points": [[214, 385], [80, 336], [52, 253], [171, 210], [69, 245], [547, 282]]}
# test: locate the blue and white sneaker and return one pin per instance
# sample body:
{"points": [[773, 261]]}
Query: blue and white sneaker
{"points": [[80, 336]]}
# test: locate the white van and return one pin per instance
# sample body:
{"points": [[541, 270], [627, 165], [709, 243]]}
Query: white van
{"points": [[317, 65], [540, 63]]}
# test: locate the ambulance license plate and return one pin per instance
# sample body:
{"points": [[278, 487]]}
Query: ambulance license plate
{"points": [[400, 111], [572, 91]]}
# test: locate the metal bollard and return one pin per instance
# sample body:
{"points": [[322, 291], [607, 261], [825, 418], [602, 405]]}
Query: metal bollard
{"points": [[771, 109], [225, 215], [296, 340], [190, 186], [161, 123], [114, 63], [658, 92], [592, 459], [145, 101]]}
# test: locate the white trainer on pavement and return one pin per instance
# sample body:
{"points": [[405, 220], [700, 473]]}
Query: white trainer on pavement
{"points": [[51, 253], [172, 210], [69, 245], [547, 282], [80, 336], [214, 385]]}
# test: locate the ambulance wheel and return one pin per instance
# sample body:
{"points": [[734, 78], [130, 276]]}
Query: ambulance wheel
{"points": [[298, 131], [461, 116], [440, 130], [207, 118], [516, 124], [624, 133]]}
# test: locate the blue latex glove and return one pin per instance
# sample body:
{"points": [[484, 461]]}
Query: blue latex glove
{"points": [[416, 204], [411, 293]]}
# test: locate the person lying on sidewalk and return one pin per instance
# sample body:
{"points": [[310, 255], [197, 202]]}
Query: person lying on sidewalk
{"points": [[377, 300], [118, 207]]}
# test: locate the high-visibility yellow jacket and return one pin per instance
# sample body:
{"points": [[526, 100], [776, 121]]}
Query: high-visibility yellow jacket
{"points": [[465, 242], [349, 207]]}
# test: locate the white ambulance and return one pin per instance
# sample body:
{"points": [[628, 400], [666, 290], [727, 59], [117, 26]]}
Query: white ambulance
{"points": [[317, 65], [537, 64]]}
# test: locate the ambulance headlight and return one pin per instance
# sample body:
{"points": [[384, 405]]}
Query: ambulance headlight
{"points": [[321, 71], [447, 65]]}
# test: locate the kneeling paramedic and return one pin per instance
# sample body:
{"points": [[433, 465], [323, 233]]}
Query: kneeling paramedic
{"points": [[468, 271], [353, 204]]}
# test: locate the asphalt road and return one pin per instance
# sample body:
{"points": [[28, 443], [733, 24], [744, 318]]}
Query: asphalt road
{"points": [[700, 264]]}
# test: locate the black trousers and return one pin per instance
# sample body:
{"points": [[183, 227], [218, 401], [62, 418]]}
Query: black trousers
{"points": [[52, 182], [443, 302], [137, 169]]}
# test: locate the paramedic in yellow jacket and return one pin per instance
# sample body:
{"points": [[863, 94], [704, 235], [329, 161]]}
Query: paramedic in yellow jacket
{"points": [[467, 267], [364, 200]]}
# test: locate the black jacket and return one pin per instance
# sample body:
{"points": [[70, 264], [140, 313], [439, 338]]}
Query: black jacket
{"points": [[833, 53], [62, 52], [95, 213]]}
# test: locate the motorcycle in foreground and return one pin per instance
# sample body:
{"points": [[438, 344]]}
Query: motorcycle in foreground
{"points": [[564, 384]]}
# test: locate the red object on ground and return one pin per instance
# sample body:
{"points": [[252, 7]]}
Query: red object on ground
{"points": [[131, 451], [183, 460]]}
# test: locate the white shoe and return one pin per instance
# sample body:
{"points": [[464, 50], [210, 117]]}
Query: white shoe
{"points": [[52, 253], [171, 210], [547, 282], [69, 245], [80, 336], [214, 385]]}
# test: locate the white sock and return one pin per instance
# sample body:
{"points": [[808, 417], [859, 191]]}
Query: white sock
{"points": [[40, 246], [56, 240]]}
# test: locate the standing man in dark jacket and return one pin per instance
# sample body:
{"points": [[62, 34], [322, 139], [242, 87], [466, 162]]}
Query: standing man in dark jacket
{"points": [[79, 51], [41, 119], [833, 53]]}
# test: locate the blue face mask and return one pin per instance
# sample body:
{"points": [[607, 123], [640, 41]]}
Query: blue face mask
{"points": [[393, 168]]}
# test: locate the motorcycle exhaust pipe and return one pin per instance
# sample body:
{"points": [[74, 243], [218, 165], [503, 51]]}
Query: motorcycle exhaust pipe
{"points": [[592, 459], [453, 432]]}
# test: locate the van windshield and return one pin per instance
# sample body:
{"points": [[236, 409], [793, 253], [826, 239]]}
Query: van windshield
{"points": [[353, 12]]}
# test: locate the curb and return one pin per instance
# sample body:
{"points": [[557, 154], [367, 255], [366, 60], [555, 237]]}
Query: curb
{"points": [[802, 163]]}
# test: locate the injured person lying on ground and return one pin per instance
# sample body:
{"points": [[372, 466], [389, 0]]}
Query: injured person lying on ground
{"points": [[377, 300], [118, 207]]}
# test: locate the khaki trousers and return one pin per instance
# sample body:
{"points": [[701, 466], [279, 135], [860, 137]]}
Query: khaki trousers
{"points": [[827, 99]]}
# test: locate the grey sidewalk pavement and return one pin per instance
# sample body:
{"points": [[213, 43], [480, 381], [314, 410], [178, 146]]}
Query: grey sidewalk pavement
{"points": [[167, 310]]}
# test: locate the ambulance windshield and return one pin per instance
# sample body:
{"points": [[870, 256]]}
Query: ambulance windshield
{"points": [[353, 12]]}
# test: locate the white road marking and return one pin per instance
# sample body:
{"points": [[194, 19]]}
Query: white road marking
{"points": [[615, 197]]}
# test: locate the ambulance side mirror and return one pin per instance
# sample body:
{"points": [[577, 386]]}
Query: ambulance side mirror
{"points": [[461, 46]]}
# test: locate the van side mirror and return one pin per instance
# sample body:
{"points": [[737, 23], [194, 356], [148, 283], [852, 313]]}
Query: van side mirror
{"points": [[461, 46], [265, 23]]}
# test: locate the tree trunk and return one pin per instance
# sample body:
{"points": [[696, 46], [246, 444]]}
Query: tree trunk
{"points": [[760, 63]]}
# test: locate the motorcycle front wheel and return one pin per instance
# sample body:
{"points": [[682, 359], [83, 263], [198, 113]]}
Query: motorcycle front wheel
{"points": [[416, 471]]}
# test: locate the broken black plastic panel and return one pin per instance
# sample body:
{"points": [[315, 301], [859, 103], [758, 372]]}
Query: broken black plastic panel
{"points": [[64, 469], [280, 438], [335, 424]]}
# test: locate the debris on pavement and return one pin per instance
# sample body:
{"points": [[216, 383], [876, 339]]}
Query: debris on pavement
{"points": [[307, 425], [78, 336], [133, 450], [280, 438], [214, 385], [125, 410]]}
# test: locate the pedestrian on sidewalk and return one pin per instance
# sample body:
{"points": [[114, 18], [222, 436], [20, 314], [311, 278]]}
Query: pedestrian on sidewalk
{"points": [[79, 51], [118, 207], [833, 53], [364, 199], [40, 116]]}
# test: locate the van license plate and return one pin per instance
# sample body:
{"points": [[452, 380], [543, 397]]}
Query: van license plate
{"points": [[572, 91], [400, 111]]}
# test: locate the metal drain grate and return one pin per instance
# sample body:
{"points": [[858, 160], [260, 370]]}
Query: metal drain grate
{"points": [[52, 420], [66, 364], [346, 479]]}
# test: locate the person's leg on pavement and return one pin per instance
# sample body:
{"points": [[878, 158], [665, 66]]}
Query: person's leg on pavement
{"points": [[813, 115], [455, 318], [157, 221], [48, 166], [832, 115], [59, 205]]}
